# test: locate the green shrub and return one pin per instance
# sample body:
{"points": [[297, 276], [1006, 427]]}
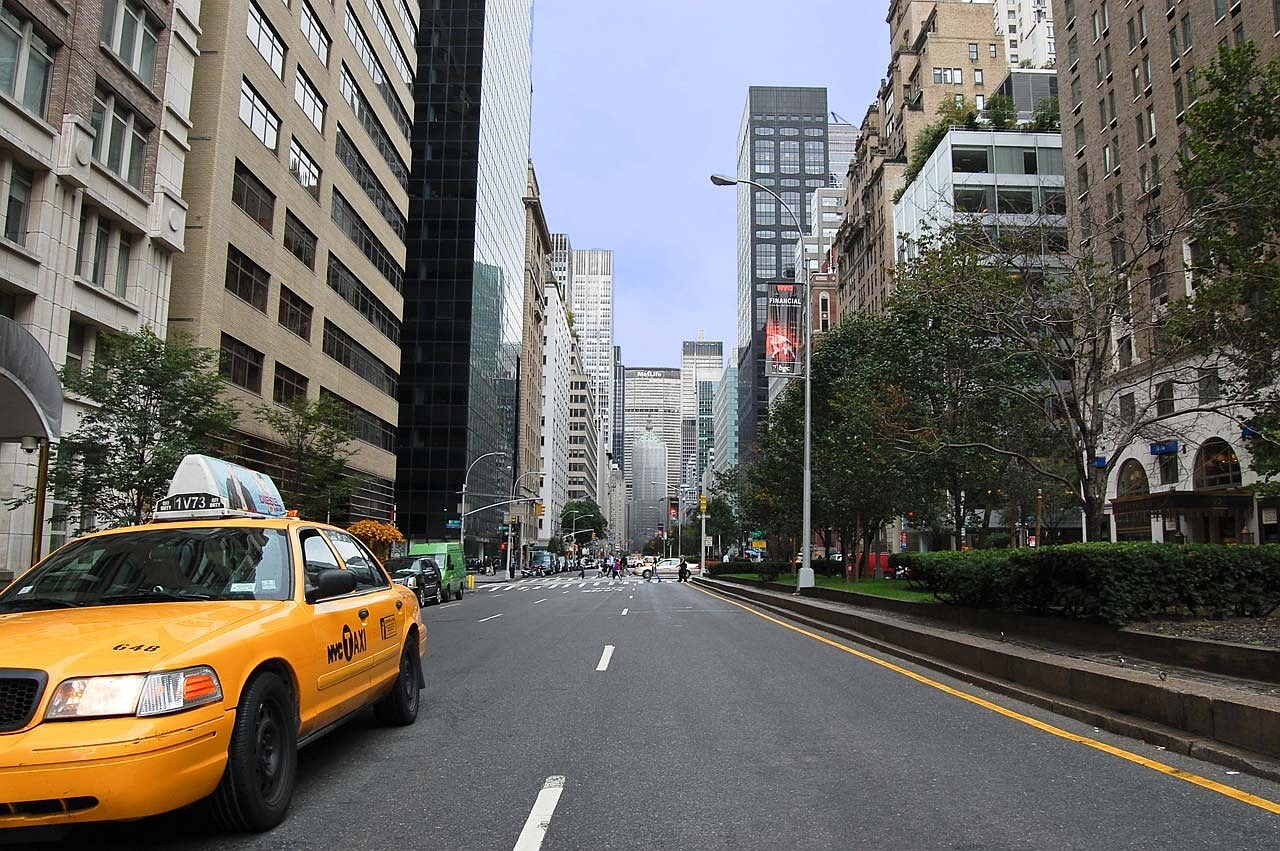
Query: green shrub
{"points": [[1117, 583]]}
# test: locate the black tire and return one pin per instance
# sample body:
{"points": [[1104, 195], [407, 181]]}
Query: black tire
{"points": [[400, 707], [262, 759], [647, 574], [461, 585], [422, 598], [444, 593]]}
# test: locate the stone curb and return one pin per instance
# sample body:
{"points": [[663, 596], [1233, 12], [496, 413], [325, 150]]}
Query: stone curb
{"points": [[1198, 720]]}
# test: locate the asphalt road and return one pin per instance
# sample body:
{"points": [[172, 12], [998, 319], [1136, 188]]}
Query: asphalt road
{"points": [[711, 727]]}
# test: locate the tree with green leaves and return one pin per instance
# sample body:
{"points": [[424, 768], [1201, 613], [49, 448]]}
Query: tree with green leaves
{"points": [[580, 515], [1047, 117], [1230, 174], [1001, 112], [317, 437], [153, 401]]}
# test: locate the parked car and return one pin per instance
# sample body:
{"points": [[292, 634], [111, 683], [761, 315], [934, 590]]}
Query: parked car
{"points": [[188, 658], [419, 574]]}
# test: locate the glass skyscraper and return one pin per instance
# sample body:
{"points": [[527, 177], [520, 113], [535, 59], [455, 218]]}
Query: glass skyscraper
{"points": [[782, 145], [464, 282]]}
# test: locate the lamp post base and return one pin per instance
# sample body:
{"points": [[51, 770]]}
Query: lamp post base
{"points": [[805, 578]]}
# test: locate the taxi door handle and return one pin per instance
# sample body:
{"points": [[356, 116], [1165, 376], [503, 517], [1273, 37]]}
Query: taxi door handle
{"points": [[364, 614]]}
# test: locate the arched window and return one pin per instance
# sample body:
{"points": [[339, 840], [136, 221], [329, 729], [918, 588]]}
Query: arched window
{"points": [[1216, 466], [1132, 479]]}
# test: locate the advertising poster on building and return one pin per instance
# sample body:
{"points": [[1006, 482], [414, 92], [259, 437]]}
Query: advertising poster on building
{"points": [[782, 329]]}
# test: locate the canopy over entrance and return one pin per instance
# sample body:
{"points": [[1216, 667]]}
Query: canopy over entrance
{"points": [[30, 392]]}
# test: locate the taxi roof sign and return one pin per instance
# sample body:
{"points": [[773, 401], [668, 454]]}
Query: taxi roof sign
{"points": [[205, 488]]}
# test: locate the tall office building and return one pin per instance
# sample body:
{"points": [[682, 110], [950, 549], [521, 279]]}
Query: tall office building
{"points": [[562, 266], [724, 415], [648, 505], [584, 435], [619, 437], [653, 403], [464, 285], [842, 146], [96, 115], [782, 144], [538, 278], [557, 374], [1027, 26], [700, 361], [593, 321]]}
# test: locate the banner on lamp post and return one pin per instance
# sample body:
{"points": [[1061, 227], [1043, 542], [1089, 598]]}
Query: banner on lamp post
{"points": [[784, 312]]}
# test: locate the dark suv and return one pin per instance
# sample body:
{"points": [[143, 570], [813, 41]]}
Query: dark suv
{"points": [[420, 574]]}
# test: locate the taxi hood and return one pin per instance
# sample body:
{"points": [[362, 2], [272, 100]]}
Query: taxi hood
{"points": [[124, 639]]}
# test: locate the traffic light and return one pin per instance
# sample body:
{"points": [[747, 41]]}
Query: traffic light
{"points": [[593, 534], [539, 509]]}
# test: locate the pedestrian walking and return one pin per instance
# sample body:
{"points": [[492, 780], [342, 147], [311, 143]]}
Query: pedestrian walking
{"points": [[683, 572], [615, 568], [582, 569]]}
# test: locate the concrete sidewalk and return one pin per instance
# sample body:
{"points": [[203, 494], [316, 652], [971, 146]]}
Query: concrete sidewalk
{"points": [[1228, 721]]}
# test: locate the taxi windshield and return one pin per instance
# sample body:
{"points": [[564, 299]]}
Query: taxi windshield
{"points": [[164, 565]]}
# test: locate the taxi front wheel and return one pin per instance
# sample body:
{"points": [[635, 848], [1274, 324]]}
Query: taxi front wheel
{"points": [[262, 759]]}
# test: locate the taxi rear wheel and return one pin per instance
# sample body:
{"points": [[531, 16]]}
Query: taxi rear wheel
{"points": [[262, 759], [400, 707]]}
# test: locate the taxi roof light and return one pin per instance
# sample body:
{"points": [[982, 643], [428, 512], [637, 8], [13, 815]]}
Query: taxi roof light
{"points": [[205, 488]]}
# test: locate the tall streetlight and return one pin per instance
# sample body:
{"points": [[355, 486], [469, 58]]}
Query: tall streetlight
{"points": [[515, 486], [805, 579], [462, 515]]}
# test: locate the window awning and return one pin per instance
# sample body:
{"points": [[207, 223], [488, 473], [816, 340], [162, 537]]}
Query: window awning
{"points": [[30, 391]]}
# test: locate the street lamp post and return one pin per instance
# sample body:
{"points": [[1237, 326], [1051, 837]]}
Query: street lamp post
{"points": [[462, 515], [805, 579], [515, 486]]}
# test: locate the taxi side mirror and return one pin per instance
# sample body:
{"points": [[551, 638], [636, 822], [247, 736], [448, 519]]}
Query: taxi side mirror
{"points": [[331, 583]]}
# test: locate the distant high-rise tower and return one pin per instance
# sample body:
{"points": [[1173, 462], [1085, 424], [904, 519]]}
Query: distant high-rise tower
{"points": [[562, 265], [619, 410], [653, 403], [464, 282], [593, 321], [700, 361], [782, 144]]}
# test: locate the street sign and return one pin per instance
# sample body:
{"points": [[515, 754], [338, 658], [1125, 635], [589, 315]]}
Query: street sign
{"points": [[1165, 447], [759, 545], [453, 524], [504, 527]]}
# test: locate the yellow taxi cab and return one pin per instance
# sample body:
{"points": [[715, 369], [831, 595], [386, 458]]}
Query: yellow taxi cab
{"points": [[187, 659]]}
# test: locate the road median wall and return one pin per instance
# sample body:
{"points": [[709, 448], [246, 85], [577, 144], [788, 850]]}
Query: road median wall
{"points": [[1188, 716]]}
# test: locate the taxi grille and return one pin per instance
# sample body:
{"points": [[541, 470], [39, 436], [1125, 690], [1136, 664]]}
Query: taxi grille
{"points": [[47, 807], [20, 692]]}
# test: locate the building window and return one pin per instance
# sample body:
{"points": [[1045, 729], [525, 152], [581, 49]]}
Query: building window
{"points": [[300, 241], [241, 364], [763, 153], [101, 242], [766, 261], [977, 76], [26, 60], [377, 133], [1128, 410], [383, 24], [371, 64], [306, 96], [294, 314], [350, 157], [1125, 350], [789, 157], [1164, 399], [246, 279], [368, 427], [132, 35], [76, 336], [288, 385], [266, 39], [304, 168], [353, 225], [251, 195], [1209, 386], [1169, 469], [815, 161], [120, 140], [19, 207], [973, 51], [124, 257], [259, 117], [344, 282], [345, 350], [315, 33]]}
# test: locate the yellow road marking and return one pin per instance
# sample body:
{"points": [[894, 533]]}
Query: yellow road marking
{"points": [[1203, 782]]}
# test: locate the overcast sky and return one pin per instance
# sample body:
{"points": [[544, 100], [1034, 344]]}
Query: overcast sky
{"points": [[635, 104]]}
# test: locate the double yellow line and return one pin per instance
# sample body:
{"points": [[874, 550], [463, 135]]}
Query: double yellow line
{"points": [[1203, 782]]}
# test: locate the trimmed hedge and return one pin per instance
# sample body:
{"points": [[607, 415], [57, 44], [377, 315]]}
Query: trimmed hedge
{"points": [[1117, 583]]}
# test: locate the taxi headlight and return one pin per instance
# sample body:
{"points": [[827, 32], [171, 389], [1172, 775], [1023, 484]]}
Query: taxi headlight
{"points": [[135, 694]]}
